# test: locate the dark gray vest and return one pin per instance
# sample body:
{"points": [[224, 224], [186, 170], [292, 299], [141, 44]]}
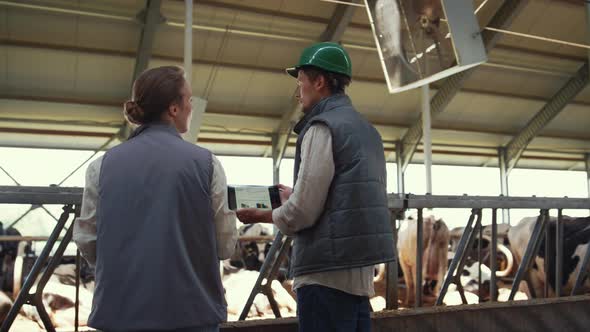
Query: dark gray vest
{"points": [[354, 230], [156, 253]]}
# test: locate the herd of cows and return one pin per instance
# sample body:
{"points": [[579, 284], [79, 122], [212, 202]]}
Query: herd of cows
{"points": [[440, 245], [240, 272]]}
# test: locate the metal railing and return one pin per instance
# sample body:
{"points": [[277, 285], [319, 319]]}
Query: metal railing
{"points": [[473, 229], [398, 204], [71, 199]]}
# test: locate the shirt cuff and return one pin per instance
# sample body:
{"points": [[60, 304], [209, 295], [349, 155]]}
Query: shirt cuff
{"points": [[278, 220]]}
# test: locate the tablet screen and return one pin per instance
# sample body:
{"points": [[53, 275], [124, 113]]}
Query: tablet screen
{"points": [[257, 197]]}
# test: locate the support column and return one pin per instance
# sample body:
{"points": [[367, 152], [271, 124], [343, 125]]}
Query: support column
{"points": [[188, 41], [275, 159], [199, 105], [503, 182], [276, 163], [427, 138], [588, 24], [588, 154], [588, 172], [401, 188]]}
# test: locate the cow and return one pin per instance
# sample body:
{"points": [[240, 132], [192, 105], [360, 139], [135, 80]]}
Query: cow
{"points": [[576, 237], [502, 231], [5, 306], [469, 281], [59, 292], [429, 9], [238, 287], [240, 272], [8, 253], [59, 297], [434, 257], [505, 260], [250, 254]]}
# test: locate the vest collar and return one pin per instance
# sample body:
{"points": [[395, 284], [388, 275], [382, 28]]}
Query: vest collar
{"points": [[326, 104], [155, 126]]}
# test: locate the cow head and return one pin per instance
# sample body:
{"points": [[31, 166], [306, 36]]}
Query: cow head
{"points": [[436, 240], [470, 276], [250, 254], [428, 9]]}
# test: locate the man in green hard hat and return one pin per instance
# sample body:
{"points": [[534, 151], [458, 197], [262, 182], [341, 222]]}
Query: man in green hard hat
{"points": [[337, 212]]}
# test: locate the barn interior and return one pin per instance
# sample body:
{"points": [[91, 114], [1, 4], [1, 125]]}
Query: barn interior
{"points": [[67, 67]]}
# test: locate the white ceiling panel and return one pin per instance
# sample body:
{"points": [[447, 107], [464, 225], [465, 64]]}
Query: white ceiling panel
{"points": [[70, 73], [46, 71]]}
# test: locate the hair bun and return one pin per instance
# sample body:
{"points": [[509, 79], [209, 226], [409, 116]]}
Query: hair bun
{"points": [[134, 112]]}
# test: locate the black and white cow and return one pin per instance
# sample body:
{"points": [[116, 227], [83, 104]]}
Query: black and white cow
{"points": [[576, 240], [250, 254], [8, 253], [504, 257], [469, 281]]}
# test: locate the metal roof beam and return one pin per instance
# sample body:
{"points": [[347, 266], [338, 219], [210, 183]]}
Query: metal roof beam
{"points": [[554, 106], [340, 20], [272, 70], [150, 17], [451, 86], [72, 105], [588, 24], [333, 32]]}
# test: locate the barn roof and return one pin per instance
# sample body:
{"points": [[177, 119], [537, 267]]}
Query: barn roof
{"points": [[66, 69]]}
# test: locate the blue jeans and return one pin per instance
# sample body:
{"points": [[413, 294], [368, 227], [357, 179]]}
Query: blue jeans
{"points": [[326, 309]]}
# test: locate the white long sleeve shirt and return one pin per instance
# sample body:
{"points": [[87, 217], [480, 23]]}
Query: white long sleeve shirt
{"points": [[306, 204], [225, 220]]}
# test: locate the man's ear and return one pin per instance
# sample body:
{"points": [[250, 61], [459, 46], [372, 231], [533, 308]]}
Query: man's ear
{"points": [[173, 110], [320, 82]]}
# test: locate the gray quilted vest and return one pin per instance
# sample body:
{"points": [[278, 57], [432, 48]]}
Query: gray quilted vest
{"points": [[354, 230], [156, 263]]}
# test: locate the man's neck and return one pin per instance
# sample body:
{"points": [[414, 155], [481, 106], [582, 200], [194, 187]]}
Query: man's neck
{"points": [[323, 95]]}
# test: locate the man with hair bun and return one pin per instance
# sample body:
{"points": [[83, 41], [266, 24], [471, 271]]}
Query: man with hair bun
{"points": [[155, 220]]}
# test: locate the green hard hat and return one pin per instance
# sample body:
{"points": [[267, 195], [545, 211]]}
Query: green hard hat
{"points": [[327, 56]]}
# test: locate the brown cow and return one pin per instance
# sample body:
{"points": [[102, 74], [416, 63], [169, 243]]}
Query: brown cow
{"points": [[434, 258]]}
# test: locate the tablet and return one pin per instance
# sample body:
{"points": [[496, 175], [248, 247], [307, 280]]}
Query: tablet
{"points": [[257, 197]]}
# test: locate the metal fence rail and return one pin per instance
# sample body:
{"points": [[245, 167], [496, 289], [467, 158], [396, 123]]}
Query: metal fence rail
{"points": [[44, 266], [491, 202], [399, 204], [40, 195]]}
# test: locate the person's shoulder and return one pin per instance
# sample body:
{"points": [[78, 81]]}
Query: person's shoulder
{"points": [[192, 149], [95, 164], [93, 170], [319, 127]]}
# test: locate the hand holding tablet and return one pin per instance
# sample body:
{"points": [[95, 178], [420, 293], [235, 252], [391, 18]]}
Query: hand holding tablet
{"points": [[254, 204], [254, 197]]}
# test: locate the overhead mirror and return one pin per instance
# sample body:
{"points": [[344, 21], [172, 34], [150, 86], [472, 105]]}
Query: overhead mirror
{"points": [[421, 41]]}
